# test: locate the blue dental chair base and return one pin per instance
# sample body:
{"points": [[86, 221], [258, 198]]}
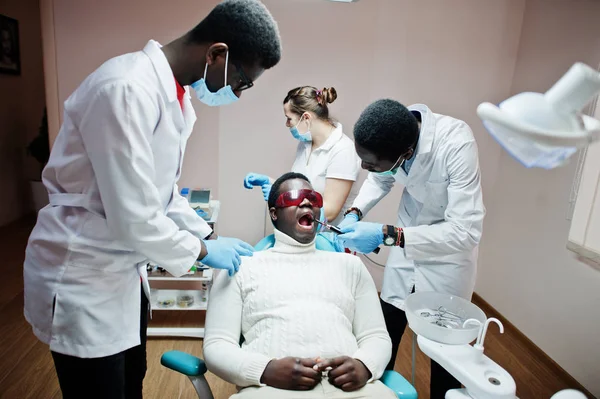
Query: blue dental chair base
{"points": [[195, 368]]}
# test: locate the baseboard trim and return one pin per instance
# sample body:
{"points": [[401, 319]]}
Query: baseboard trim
{"points": [[542, 357]]}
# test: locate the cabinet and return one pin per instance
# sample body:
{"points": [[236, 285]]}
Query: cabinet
{"points": [[170, 293]]}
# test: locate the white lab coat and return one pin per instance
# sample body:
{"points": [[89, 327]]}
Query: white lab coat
{"points": [[336, 158], [114, 205], [441, 212]]}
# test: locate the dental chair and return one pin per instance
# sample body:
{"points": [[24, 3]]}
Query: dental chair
{"points": [[195, 368]]}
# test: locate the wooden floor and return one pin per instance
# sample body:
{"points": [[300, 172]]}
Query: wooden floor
{"points": [[26, 368]]}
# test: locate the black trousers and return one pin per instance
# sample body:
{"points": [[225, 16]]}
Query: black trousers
{"points": [[118, 376], [395, 321]]}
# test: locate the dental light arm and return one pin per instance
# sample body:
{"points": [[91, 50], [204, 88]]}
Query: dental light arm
{"points": [[545, 130]]}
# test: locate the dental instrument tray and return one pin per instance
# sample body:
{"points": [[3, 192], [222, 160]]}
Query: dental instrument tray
{"points": [[443, 318]]}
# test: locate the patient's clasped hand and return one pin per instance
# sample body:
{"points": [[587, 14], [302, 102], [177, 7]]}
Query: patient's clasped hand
{"points": [[294, 373], [310, 320]]}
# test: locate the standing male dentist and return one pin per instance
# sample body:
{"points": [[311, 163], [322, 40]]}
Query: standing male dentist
{"points": [[114, 202]]}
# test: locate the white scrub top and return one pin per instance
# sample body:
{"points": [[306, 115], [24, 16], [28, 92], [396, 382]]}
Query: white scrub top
{"points": [[335, 159], [114, 205], [441, 211]]}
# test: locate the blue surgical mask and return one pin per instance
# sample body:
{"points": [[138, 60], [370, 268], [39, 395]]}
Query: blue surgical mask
{"points": [[304, 137], [393, 170], [223, 96]]}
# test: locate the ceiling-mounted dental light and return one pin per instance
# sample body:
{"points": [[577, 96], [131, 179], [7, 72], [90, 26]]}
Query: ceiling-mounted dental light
{"points": [[544, 130]]}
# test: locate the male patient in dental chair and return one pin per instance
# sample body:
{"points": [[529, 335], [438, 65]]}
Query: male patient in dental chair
{"points": [[310, 320]]}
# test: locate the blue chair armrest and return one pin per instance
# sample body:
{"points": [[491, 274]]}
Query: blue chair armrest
{"points": [[183, 363], [401, 387]]}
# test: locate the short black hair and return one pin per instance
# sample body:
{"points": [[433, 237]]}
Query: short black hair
{"points": [[387, 129], [248, 29], [274, 193]]}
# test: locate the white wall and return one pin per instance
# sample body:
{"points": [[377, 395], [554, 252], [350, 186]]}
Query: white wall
{"points": [[525, 270]]}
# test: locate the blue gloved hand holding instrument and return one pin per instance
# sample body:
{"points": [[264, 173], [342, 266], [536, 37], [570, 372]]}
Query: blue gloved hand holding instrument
{"points": [[343, 238], [255, 179], [363, 237]]}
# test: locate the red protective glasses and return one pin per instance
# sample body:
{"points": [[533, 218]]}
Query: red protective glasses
{"points": [[295, 198]]}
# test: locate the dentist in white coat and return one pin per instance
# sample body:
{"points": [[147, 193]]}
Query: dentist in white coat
{"points": [[114, 203], [440, 217]]}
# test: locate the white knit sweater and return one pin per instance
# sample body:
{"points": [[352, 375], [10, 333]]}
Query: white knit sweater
{"points": [[293, 300]]}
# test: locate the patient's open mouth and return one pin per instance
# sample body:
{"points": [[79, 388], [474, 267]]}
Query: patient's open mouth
{"points": [[306, 220]]}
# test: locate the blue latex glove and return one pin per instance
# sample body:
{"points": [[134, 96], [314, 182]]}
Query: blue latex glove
{"points": [[348, 220], [224, 253], [255, 179], [362, 237], [266, 189]]}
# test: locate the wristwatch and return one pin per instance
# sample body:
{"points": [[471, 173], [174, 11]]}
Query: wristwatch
{"points": [[390, 238]]}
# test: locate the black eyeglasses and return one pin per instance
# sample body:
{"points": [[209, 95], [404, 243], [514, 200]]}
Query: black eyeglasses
{"points": [[245, 83]]}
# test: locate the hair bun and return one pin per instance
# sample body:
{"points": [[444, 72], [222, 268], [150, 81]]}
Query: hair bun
{"points": [[329, 95]]}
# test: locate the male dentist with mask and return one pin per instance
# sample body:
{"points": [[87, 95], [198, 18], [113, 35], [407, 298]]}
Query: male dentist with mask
{"points": [[434, 241], [114, 202]]}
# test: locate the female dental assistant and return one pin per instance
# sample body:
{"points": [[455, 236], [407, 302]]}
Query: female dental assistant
{"points": [[325, 154]]}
